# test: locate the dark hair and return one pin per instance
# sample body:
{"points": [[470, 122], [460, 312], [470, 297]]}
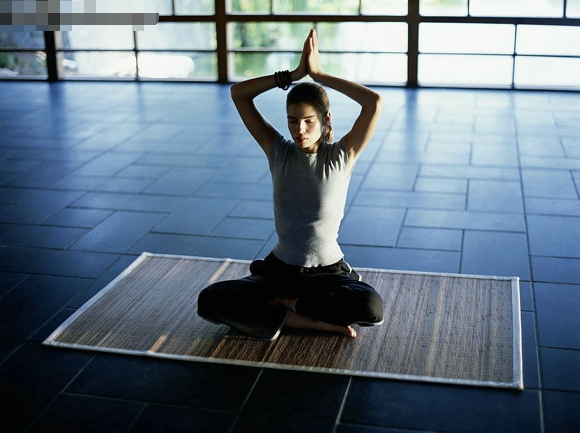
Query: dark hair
{"points": [[315, 95]]}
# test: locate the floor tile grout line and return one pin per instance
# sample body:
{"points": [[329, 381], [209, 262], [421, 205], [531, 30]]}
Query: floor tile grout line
{"points": [[462, 251], [400, 230], [542, 406], [371, 163], [342, 405], [138, 415], [61, 392], [241, 409]]}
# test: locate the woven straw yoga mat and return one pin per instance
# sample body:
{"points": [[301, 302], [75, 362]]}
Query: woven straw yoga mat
{"points": [[445, 328]]}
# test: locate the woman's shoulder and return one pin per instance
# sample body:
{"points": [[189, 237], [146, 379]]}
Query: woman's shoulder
{"points": [[337, 153], [337, 147], [281, 143], [281, 148]]}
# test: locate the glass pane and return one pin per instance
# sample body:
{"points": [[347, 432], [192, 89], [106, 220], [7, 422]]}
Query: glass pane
{"points": [[248, 65], [312, 7], [249, 6], [178, 36], [573, 9], [194, 7], [22, 40], [547, 72], [367, 68], [458, 70], [96, 64], [551, 40], [384, 7], [517, 8], [164, 7], [112, 39], [174, 65], [14, 64], [466, 38], [443, 7], [377, 37], [275, 35]]}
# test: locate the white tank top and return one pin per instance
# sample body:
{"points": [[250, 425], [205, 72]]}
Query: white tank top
{"points": [[309, 192]]}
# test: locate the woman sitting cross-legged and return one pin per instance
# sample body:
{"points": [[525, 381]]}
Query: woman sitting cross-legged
{"points": [[304, 282]]}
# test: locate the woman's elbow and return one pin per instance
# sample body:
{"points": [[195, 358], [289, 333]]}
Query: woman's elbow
{"points": [[375, 102], [239, 94], [378, 101], [235, 91]]}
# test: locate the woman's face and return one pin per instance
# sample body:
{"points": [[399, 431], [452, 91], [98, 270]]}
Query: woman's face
{"points": [[305, 126]]}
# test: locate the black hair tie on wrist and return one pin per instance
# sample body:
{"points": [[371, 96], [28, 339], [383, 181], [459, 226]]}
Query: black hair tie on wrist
{"points": [[283, 79]]}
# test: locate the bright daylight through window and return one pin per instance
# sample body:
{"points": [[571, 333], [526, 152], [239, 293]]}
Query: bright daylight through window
{"points": [[465, 43]]}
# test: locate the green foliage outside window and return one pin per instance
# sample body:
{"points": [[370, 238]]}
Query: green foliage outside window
{"points": [[31, 64], [316, 6], [249, 6], [13, 63]]}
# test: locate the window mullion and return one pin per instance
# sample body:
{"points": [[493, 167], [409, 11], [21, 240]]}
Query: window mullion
{"points": [[514, 57], [413, 43], [221, 40], [51, 60]]}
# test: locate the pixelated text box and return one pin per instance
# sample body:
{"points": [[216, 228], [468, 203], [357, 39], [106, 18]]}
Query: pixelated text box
{"points": [[63, 15]]}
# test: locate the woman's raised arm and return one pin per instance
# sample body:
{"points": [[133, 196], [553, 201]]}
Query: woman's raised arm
{"points": [[243, 95], [370, 101]]}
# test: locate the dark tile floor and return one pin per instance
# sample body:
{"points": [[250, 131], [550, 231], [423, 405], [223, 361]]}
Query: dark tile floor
{"points": [[93, 174]]}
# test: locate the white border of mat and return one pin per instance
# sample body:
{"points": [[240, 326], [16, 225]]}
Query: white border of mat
{"points": [[517, 360]]}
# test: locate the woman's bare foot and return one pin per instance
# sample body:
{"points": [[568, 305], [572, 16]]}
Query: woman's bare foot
{"points": [[297, 321]]}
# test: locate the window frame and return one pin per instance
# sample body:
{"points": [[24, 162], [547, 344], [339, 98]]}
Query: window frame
{"points": [[222, 17]]}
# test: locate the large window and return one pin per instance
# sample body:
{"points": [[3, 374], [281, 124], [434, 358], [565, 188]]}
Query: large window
{"points": [[501, 8], [167, 51], [93, 53], [509, 53], [365, 52], [460, 54], [547, 56], [466, 43]]}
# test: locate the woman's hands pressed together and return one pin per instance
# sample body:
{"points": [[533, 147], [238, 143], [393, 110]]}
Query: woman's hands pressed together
{"points": [[313, 55], [309, 60]]}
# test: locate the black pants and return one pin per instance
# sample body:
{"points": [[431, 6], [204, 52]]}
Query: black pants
{"points": [[332, 294]]}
